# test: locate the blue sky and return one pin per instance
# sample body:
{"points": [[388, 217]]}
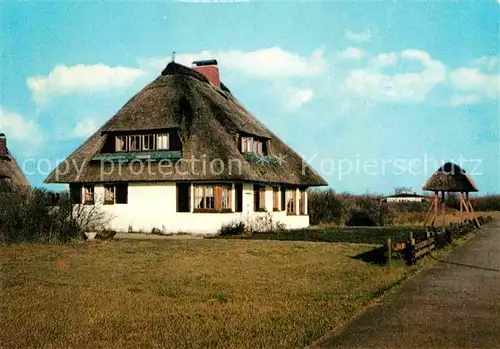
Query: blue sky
{"points": [[374, 95]]}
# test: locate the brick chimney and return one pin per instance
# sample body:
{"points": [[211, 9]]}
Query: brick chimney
{"points": [[209, 69], [3, 145]]}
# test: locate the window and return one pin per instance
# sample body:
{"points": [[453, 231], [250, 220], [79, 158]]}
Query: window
{"points": [[225, 197], [213, 198], [148, 142], [75, 192], [121, 193], [276, 198], [246, 144], [121, 143], [134, 143], [109, 194], [183, 197], [163, 142], [204, 197], [259, 195], [252, 145], [302, 202], [89, 194], [290, 201]]}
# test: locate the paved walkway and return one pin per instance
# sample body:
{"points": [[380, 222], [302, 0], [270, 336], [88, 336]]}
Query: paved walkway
{"points": [[455, 304]]}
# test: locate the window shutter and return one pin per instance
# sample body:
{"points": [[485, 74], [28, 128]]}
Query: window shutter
{"points": [[183, 197], [238, 188], [283, 199], [302, 201], [256, 197], [121, 194], [217, 197], [276, 198], [262, 199], [75, 192]]}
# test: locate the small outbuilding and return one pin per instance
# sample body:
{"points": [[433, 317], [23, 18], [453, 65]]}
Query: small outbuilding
{"points": [[404, 197]]}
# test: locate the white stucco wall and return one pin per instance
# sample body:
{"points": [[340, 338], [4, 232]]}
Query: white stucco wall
{"points": [[153, 205]]}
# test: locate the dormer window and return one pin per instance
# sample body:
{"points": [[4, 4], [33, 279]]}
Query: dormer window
{"points": [[147, 142], [253, 145]]}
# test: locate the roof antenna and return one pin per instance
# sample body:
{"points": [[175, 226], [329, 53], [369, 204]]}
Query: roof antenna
{"points": [[173, 56]]}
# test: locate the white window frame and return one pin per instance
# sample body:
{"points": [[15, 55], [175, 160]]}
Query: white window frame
{"points": [[106, 191], [149, 137], [88, 194], [138, 138], [124, 140], [162, 141]]}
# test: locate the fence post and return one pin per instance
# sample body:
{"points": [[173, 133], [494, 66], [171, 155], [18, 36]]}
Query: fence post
{"points": [[410, 249], [389, 250]]}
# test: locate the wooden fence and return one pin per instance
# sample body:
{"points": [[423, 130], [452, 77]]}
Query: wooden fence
{"points": [[411, 251]]}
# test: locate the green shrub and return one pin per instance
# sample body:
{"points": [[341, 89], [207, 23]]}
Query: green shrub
{"points": [[325, 206], [486, 203], [105, 234], [36, 215], [233, 228]]}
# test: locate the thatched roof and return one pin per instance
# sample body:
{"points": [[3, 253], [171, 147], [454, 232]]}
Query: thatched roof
{"points": [[208, 120], [450, 177], [10, 174]]}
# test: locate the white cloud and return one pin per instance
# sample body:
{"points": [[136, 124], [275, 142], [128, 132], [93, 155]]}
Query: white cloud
{"points": [[300, 97], [362, 36], [384, 60], [84, 128], [63, 80], [18, 129], [268, 63], [489, 63], [472, 81], [349, 54], [398, 88]]}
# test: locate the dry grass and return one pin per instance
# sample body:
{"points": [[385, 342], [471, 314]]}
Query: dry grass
{"points": [[418, 218], [183, 294]]}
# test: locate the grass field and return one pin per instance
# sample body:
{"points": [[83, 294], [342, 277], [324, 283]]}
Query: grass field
{"points": [[359, 235], [376, 235], [183, 294]]}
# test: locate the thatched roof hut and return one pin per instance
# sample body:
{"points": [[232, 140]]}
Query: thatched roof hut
{"points": [[450, 178], [11, 175], [209, 122]]}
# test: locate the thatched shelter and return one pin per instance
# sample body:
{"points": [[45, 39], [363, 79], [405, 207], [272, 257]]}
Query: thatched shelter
{"points": [[450, 178], [11, 175]]}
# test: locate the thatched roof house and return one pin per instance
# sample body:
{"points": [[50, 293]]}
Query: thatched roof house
{"points": [[187, 127], [450, 178], [11, 175]]}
